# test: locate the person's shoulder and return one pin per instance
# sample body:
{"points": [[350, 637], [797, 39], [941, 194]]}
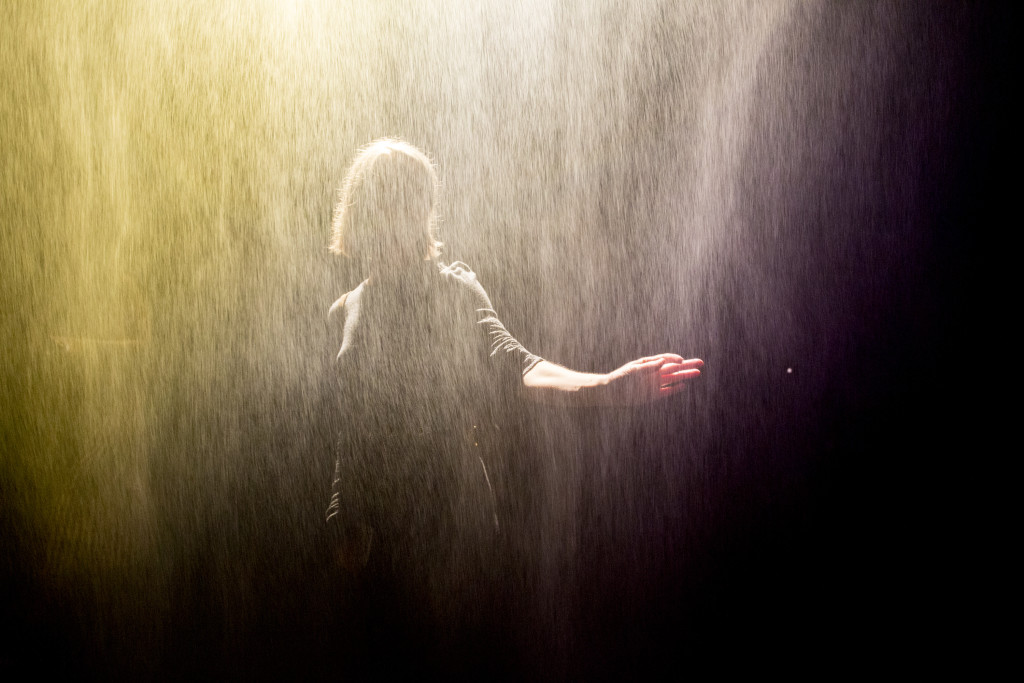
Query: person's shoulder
{"points": [[463, 280], [459, 271], [344, 302], [461, 277], [338, 306]]}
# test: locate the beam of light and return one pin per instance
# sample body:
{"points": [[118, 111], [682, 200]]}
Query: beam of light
{"points": [[627, 178]]}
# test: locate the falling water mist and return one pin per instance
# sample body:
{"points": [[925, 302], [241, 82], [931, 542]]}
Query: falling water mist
{"points": [[753, 183]]}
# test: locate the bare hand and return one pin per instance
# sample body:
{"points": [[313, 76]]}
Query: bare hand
{"points": [[652, 378]]}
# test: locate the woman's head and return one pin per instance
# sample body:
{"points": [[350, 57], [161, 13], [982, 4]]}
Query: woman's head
{"points": [[386, 206]]}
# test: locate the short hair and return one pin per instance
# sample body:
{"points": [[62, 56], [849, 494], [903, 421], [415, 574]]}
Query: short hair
{"points": [[387, 202]]}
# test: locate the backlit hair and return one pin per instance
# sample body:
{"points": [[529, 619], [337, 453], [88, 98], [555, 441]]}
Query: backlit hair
{"points": [[386, 207]]}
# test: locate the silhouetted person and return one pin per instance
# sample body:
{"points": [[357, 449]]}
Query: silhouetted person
{"points": [[423, 366]]}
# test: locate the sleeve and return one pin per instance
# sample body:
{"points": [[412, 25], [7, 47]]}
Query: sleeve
{"points": [[505, 350], [344, 507]]}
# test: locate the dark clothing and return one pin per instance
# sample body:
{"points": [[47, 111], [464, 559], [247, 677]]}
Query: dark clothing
{"points": [[423, 370], [423, 366]]}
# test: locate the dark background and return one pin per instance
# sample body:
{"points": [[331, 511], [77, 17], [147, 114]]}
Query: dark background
{"points": [[807, 196]]}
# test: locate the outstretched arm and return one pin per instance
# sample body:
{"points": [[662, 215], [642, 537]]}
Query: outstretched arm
{"points": [[640, 381]]}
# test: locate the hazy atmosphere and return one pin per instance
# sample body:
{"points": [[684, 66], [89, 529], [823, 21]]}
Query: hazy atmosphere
{"points": [[791, 191]]}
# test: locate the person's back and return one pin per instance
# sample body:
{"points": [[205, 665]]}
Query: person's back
{"points": [[415, 379], [417, 384], [423, 360]]}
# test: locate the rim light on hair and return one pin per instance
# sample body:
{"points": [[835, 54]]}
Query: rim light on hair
{"points": [[386, 206]]}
